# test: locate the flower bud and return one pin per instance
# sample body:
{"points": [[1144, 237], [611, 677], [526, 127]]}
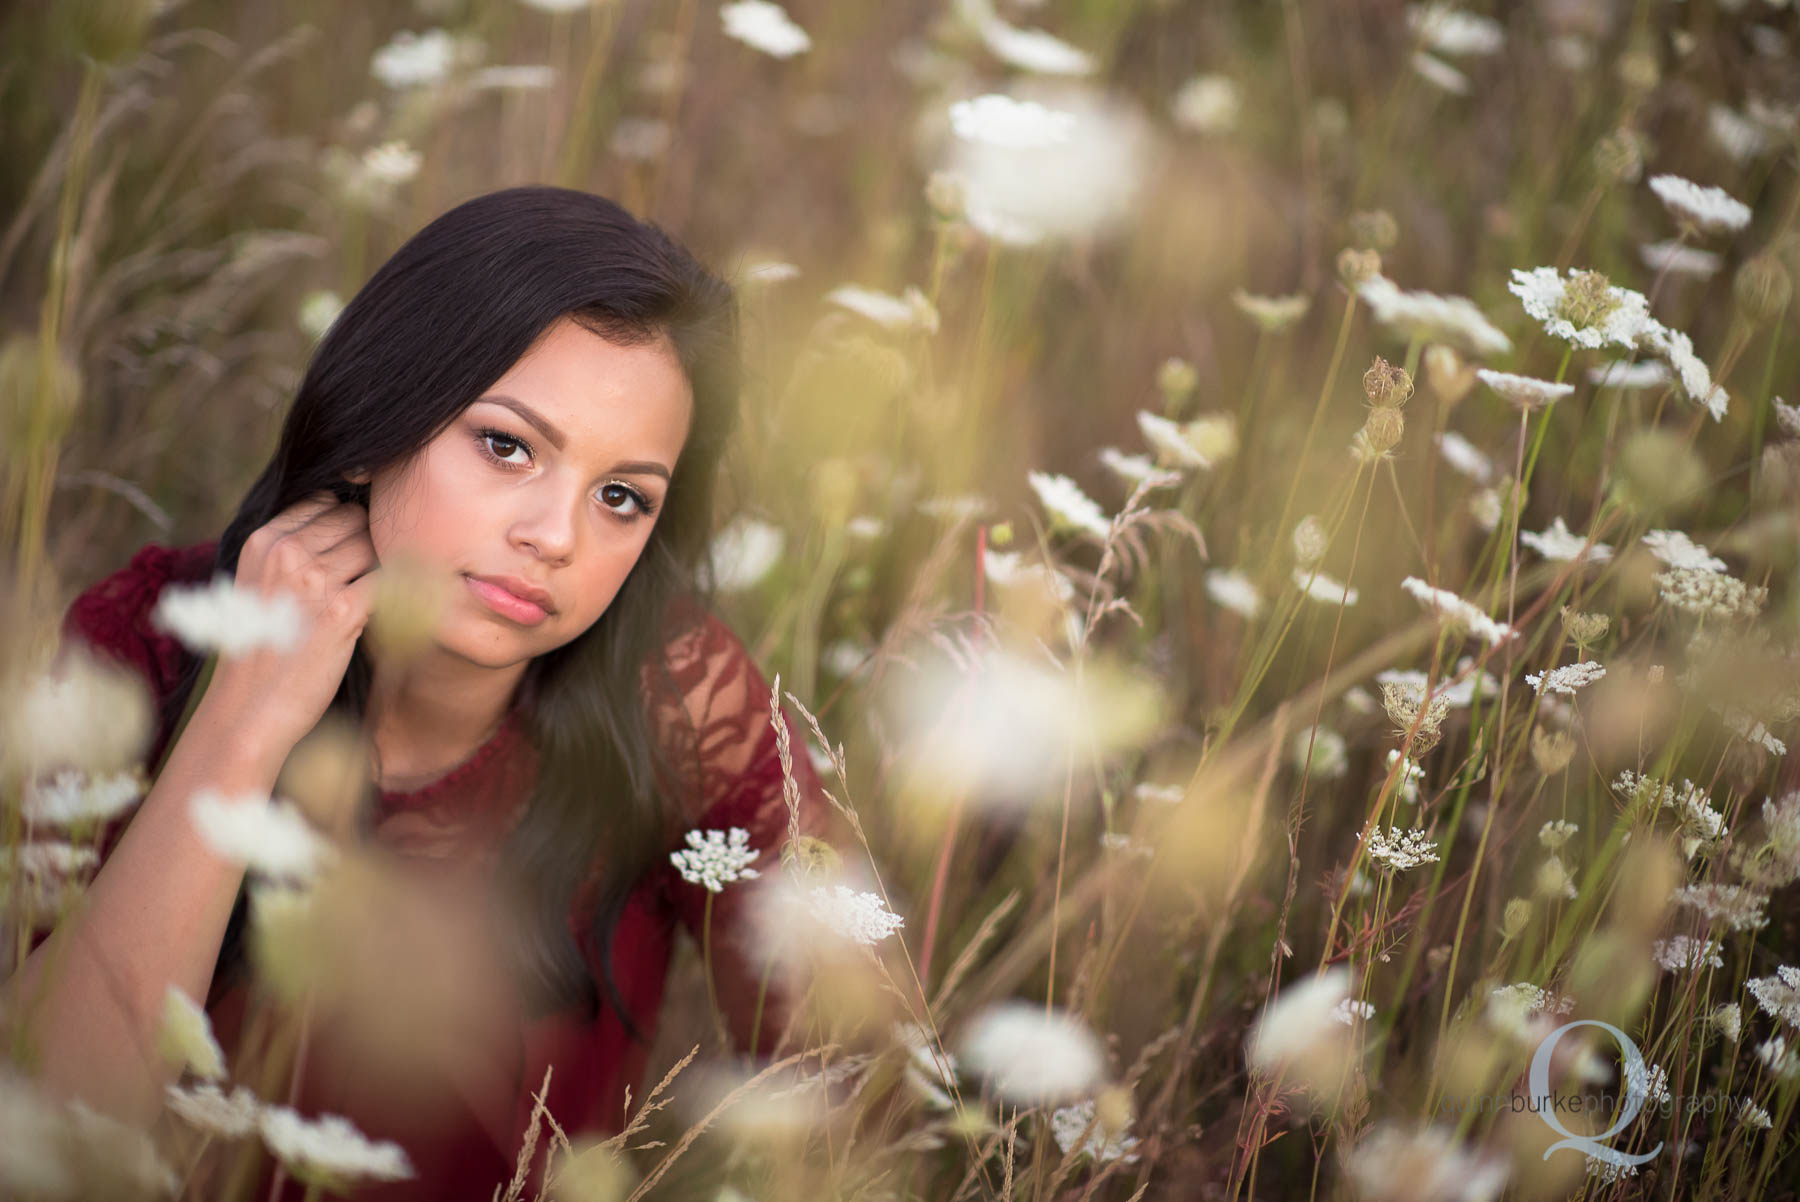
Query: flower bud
{"points": [[1176, 380], [1584, 629], [1763, 288], [1309, 541], [1619, 157], [946, 195], [1380, 434], [1449, 376], [1000, 534], [1386, 385], [1357, 267], [1374, 229], [1638, 70], [1516, 915]]}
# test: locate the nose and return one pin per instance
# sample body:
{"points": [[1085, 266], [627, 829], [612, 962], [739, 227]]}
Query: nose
{"points": [[547, 527]]}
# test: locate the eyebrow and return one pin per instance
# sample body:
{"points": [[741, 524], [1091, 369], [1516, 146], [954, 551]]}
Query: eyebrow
{"points": [[559, 441]]}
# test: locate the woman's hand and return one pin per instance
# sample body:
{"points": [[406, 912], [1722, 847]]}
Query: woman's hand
{"points": [[318, 551]]}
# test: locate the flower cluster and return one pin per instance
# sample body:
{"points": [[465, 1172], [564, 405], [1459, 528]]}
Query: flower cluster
{"points": [[1778, 995], [861, 917], [1567, 678], [1399, 850], [716, 858], [1458, 612], [1673, 955]]}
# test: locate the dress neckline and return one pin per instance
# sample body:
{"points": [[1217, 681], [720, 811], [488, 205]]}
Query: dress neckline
{"points": [[507, 733]]}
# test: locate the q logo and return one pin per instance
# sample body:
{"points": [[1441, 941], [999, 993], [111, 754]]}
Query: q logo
{"points": [[1636, 1087]]}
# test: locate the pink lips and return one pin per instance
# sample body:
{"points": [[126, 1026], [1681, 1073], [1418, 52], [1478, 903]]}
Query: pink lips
{"points": [[507, 604]]}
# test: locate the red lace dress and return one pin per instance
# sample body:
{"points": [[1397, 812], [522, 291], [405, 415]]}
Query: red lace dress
{"points": [[720, 730]]}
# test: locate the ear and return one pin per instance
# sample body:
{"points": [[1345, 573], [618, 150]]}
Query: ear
{"points": [[359, 476]]}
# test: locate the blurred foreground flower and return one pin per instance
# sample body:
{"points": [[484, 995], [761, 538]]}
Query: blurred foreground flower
{"points": [[84, 713], [1299, 1037], [317, 311], [411, 60], [222, 617], [270, 837], [743, 553], [1069, 508], [1449, 30], [211, 1110], [1207, 104], [1079, 1129], [74, 798], [185, 1037], [910, 310], [329, 1151], [1558, 543], [1425, 1164], [1030, 1057], [1027, 49], [765, 27]]}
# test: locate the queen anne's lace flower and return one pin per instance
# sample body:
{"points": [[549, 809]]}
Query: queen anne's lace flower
{"points": [[1738, 907], [1298, 1019], [716, 858], [1067, 505], [330, 1150], [185, 1036], [1677, 259], [1235, 591], [861, 917], [1456, 611], [1429, 317], [765, 27], [1400, 850], [1679, 551], [743, 553], [412, 60], [1449, 30], [1782, 1063], [1350, 1011], [1069, 1122], [1001, 121], [1628, 374], [72, 797], [1131, 468], [1033, 1058], [1709, 210], [1393, 1161], [1778, 995], [222, 617], [1710, 594], [1272, 314], [1465, 457], [910, 310], [1553, 835], [1567, 678], [1033, 49], [271, 837], [207, 1107], [1527, 392], [1682, 952], [1322, 588], [1440, 74], [1559, 543], [1677, 349], [1583, 308], [1458, 695]]}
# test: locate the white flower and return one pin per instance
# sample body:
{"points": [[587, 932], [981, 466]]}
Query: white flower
{"points": [[1696, 381], [765, 27], [1709, 210], [1567, 678], [908, 311], [1350, 1010], [207, 1107], [1465, 457], [1159, 794], [1560, 544], [1524, 391], [1030, 173], [1319, 587], [770, 272], [1320, 750], [48, 858], [391, 163], [1132, 468], [1067, 505], [1298, 1020], [330, 1150], [271, 837], [1738, 907], [1609, 1171], [865, 526], [1429, 317], [712, 861], [1440, 74], [1207, 104], [1544, 293], [743, 553], [72, 797], [185, 1036], [230, 620], [1400, 850], [1425, 1164], [1235, 591], [1032, 1057], [1677, 259], [1451, 31], [317, 311], [1679, 551], [861, 917], [1681, 952], [1753, 1115], [1554, 835], [1310, 541], [1748, 728], [1736, 135], [1166, 438], [1649, 1080], [1781, 1062], [1627, 374], [557, 6], [1069, 1122], [1272, 314], [1778, 995], [1008, 569], [1728, 1020], [1411, 776], [1002, 122], [1710, 594], [1029, 49], [1458, 612], [412, 60], [1553, 879]]}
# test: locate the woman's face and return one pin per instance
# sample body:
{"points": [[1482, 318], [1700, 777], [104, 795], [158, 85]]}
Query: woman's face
{"points": [[552, 480]]}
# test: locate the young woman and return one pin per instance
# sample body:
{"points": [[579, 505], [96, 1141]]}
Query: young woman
{"points": [[530, 399]]}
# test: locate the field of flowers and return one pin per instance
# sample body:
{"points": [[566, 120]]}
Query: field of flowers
{"points": [[1281, 520]]}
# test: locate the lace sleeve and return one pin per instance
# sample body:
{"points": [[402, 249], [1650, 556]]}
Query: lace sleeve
{"points": [[730, 775]]}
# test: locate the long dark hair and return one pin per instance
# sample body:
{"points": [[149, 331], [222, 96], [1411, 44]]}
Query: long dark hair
{"points": [[434, 328]]}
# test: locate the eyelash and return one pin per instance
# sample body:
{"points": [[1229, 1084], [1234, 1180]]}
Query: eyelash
{"points": [[646, 507]]}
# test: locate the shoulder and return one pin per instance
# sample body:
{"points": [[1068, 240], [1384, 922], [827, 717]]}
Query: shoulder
{"points": [[112, 615]]}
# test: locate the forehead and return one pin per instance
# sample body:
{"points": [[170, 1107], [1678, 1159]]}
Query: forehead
{"points": [[604, 394]]}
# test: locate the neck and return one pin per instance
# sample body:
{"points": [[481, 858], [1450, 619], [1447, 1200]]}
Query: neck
{"points": [[431, 713]]}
